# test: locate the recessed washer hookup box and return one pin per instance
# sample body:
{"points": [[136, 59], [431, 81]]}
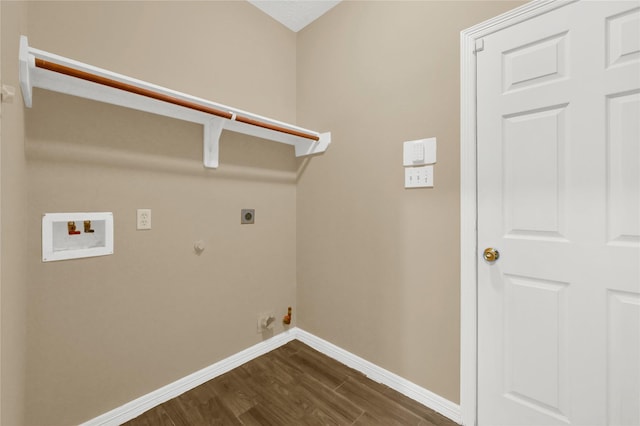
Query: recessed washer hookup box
{"points": [[76, 235]]}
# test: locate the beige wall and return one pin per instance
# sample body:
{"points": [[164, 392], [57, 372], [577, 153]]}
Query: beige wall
{"points": [[378, 265], [13, 225], [106, 330]]}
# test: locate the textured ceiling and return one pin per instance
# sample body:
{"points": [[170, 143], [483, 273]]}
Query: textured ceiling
{"points": [[294, 14]]}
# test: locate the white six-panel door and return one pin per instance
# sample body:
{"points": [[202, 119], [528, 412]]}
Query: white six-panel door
{"points": [[558, 145]]}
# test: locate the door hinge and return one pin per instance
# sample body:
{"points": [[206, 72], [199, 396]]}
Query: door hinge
{"points": [[479, 46]]}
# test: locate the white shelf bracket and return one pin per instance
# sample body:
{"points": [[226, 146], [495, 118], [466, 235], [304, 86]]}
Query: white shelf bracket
{"points": [[314, 147], [27, 63], [212, 131]]}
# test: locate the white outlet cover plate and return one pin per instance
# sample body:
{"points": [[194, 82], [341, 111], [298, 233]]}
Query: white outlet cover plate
{"points": [[143, 219]]}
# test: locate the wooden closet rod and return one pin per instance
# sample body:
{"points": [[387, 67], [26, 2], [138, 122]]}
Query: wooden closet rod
{"points": [[62, 69]]}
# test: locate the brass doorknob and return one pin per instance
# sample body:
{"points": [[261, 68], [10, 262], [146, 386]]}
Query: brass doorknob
{"points": [[491, 254]]}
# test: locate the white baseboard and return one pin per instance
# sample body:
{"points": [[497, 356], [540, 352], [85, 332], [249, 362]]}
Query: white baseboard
{"points": [[146, 402], [133, 409], [380, 375]]}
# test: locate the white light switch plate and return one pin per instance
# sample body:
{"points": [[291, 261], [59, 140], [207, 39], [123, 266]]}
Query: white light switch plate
{"points": [[418, 177]]}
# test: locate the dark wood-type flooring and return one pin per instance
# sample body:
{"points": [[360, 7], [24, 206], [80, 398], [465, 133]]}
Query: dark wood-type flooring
{"points": [[292, 385]]}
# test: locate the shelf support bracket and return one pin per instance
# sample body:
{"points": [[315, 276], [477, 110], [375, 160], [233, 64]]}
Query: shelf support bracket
{"points": [[27, 62], [314, 147], [212, 131]]}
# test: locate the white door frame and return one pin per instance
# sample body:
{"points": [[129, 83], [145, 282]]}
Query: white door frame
{"points": [[470, 40]]}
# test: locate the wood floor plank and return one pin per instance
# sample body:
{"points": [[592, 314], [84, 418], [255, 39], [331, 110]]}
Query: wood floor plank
{"points": [[266, 415], [409, 404], [291, 348], [376, 404], [324, 369], [293, 385], [432, 417], [155, 417], [308, 401], [210, 411], [256, 417], [369, 420], [182, 414], [327, 404], [235, 390], [428, 423]]}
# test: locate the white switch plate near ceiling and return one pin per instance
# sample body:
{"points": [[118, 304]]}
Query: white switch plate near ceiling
{"points": [[421, 151], [418, 177]]}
